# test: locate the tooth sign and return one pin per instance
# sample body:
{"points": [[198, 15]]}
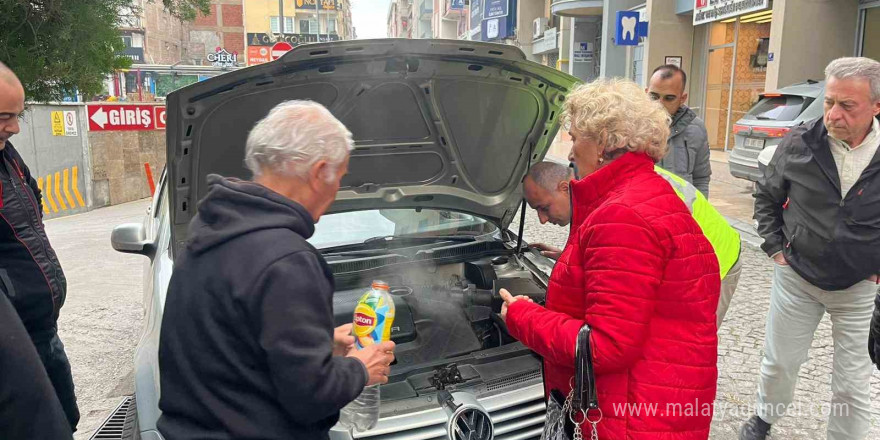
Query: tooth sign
{"points": [[629, 27]]}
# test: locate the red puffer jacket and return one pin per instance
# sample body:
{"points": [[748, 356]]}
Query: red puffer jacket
{"points": [[639, 271]]}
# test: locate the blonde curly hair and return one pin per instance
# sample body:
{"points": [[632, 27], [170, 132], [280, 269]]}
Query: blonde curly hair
{"points": [[619, 116]]}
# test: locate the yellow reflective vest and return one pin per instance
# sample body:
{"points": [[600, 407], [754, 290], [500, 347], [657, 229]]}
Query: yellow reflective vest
{"points": [[724, 239]]}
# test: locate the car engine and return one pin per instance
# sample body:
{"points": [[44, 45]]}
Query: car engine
{"points": [[445, 311]]}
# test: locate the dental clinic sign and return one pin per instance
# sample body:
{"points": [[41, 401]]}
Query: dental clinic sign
{"points": [[707, 11]]}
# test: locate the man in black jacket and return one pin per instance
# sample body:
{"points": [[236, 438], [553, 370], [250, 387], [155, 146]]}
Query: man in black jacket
{"points": [[247, 342], [30, 273], [818, 210], [29, 407]]}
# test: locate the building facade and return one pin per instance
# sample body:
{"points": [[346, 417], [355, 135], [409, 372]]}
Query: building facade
{"points": [[168, 54], [733, 51], [296, 22]]}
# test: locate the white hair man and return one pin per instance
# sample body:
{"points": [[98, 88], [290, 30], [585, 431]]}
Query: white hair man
{"points": [[248, 347], [818, 210]]}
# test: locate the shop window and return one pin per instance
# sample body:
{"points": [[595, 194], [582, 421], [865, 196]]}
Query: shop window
{"points": [[331, 26]]}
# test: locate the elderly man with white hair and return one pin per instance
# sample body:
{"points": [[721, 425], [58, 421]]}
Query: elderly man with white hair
{"points": [[818, 210], [248, 348]]}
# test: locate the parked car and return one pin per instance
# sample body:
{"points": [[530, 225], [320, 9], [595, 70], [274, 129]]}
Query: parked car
{"points": [[761, 130], [445, 131]]}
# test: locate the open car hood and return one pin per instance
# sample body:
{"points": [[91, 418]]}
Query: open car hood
{"points": [[440, 124]]}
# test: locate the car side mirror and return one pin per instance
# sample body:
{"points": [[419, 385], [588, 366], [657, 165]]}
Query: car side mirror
{"points": [[131, 238]]}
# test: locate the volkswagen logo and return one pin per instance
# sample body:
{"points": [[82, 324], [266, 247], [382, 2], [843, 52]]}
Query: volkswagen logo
{"points": [[470, 423]]}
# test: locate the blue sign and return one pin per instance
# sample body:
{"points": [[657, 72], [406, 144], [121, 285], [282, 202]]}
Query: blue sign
{"points": [[476, 18], [456, 5], [496, 29], [627, 28], [495, 8]]}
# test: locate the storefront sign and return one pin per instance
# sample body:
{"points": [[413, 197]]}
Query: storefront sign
{"points": [[222, 58], [114, 117], [476, 18], [673, 61], [327, 5], [257, 55], [546, 44], [707, 11], [456, 5], [583, 52], [627, 28], [269, 40], [495, 8]]}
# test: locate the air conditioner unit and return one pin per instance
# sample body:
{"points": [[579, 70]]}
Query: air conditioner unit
{"points": [[538, 27]]}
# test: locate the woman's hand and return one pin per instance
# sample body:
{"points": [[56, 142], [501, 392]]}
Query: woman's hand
{"points": [[343, 341], [508, 300]]}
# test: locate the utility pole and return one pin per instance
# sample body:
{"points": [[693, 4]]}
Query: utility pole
{"points": [[281, 17], [318, 14]]}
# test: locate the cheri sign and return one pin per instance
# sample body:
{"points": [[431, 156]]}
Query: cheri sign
{"points": [[222, 58]]}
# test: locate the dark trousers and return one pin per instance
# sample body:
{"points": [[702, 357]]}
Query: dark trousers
{"points": [[51, 352]]}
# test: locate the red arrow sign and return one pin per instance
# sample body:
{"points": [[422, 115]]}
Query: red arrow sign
{"points": [[280, 48], [120, 117], [160, 116]]}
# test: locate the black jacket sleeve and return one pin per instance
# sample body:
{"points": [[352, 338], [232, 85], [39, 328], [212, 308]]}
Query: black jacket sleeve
{"points": [[28, 178], [770, 196], [296, 314], [29, 407]]}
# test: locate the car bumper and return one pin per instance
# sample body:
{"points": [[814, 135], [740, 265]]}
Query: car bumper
{"points": [[743, 167]]}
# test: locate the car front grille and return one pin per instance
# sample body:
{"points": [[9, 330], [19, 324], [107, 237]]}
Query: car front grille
{"points": [[517, 415]]}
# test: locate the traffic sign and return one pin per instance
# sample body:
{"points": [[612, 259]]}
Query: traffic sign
{"points": [[280, 48], [160, 116], [109, 117]]}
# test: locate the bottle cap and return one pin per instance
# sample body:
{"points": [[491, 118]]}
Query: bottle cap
{"points": [[381, 285]]}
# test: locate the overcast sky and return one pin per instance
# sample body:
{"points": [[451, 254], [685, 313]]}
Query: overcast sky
{"points": [[370, 18]]}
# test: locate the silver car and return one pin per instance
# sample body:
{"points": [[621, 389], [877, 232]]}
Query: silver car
{"points": [[445, 131], [761, 130]]}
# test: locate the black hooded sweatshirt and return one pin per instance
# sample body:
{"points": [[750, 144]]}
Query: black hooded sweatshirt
{"points": [[247, 336]]}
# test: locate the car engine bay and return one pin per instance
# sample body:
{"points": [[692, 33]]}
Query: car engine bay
{"points": [[444, 311]]}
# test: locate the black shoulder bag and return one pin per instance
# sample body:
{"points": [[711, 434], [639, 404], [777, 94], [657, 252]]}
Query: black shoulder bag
{"points": [[566, 414]]}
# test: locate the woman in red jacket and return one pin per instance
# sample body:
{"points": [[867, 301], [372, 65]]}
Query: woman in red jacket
{"points": [[637, 269]]}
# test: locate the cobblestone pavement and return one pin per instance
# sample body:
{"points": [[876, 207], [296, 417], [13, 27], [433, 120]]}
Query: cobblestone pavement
{"points": [[740, 347]]}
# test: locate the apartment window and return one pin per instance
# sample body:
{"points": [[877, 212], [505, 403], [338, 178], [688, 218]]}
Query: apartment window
{"points": [[274, 25], [126, 39], [309, 26]]}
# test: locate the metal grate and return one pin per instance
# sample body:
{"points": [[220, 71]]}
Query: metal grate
{"points": [[520, 418], [121, 422], [506, 382]]}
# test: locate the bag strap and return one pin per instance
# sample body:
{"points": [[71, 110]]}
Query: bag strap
{"points": [[585, 397]]}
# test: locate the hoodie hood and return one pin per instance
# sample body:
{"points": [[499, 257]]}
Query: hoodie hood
{"points": [[233, 208], [681, 120]]}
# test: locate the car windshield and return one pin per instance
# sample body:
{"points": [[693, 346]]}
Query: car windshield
{"points": [[778, 108], [357, 226]]}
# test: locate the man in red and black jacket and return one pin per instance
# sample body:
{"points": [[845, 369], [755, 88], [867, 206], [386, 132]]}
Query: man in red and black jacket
{"points": [[30, 273]]}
